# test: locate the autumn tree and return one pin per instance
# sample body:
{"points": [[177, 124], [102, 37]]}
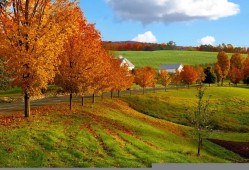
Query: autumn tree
{"points": [[165, 78], [246, 70], [224, 64], [121, 77], [4, 77], [176, 78], [236, 75], [145, 77], [73, 63], [33, 34], [201, 74], [218, 72], [236, 61], [189, 75]]}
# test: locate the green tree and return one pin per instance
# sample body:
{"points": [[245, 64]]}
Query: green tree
{"points": [[171, 45], [201, 119], [210, 76]]}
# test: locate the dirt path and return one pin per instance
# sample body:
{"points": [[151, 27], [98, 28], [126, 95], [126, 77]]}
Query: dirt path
{"points": [[241, 148]]}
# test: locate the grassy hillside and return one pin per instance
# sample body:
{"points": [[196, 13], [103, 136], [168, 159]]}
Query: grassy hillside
{"points": [[111, 134], [158, 58], [231, 106]]}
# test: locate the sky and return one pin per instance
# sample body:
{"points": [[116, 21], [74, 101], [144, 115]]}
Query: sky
{"points": [[186, 22]]}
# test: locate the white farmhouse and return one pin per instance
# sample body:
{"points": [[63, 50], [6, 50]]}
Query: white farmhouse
{"points": [[127, 62], [171, 68]]}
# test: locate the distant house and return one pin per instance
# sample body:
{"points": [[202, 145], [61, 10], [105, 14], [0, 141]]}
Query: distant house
{"points": [[171, 68], [127, 62]]}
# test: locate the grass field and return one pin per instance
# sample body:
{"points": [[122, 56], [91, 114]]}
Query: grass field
{"points": [[230, 104], [113, 134], [158, 58]]}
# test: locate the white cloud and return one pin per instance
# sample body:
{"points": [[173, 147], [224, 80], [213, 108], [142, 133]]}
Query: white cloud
{"points": [[208, 40], [166, 11], [147, 37]]}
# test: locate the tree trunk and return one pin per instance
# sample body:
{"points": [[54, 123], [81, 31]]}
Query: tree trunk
{"points": [[188, 86], [70, 100], [118, 93], [143, 90], [154, 90], [111, 94], [165, 88], [199, 144], [93, 99], [102, 96], [222, 81], [27, 105], [130, 92], [82, 100]]}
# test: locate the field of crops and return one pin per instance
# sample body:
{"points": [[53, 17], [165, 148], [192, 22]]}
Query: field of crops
{"points": [[158, 58]]}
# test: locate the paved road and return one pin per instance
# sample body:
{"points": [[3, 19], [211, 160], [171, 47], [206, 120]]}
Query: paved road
{"points": [[18, 106]]}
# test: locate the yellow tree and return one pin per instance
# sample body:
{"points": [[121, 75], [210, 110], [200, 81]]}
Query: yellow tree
{"points": [[73, 63], [33, 32], [165, 78], [145, 77], [224, 64]]}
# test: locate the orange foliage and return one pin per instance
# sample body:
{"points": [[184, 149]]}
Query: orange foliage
{"points": [[32, 36], [224, 64], [236, 61], [165, 78], [145, 77], [236, 75], [189, 75], [246, 67], [218, 72], [201, 74]]}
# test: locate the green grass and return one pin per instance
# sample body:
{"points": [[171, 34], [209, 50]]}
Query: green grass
{"points": [[112, 134], [230, 104], [158, 58], [12, 92]]}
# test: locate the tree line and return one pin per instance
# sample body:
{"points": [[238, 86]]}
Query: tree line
{"points": [[171, 45]]}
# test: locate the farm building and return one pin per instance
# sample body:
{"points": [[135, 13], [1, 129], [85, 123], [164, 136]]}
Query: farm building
{"points": [[126, 61], [171, 68]]}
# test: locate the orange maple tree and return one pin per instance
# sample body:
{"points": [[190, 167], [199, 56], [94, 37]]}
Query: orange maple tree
{"points": [[224, 64], [236, 75], [236, 61], [201, 74], [145, 77], [245, 69], [176, 78], [218, 72], [189, 75], [32, 36], [120, 77]]}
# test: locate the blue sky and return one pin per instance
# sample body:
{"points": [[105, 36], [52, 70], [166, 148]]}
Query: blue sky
{"points": [[187, 22]]}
